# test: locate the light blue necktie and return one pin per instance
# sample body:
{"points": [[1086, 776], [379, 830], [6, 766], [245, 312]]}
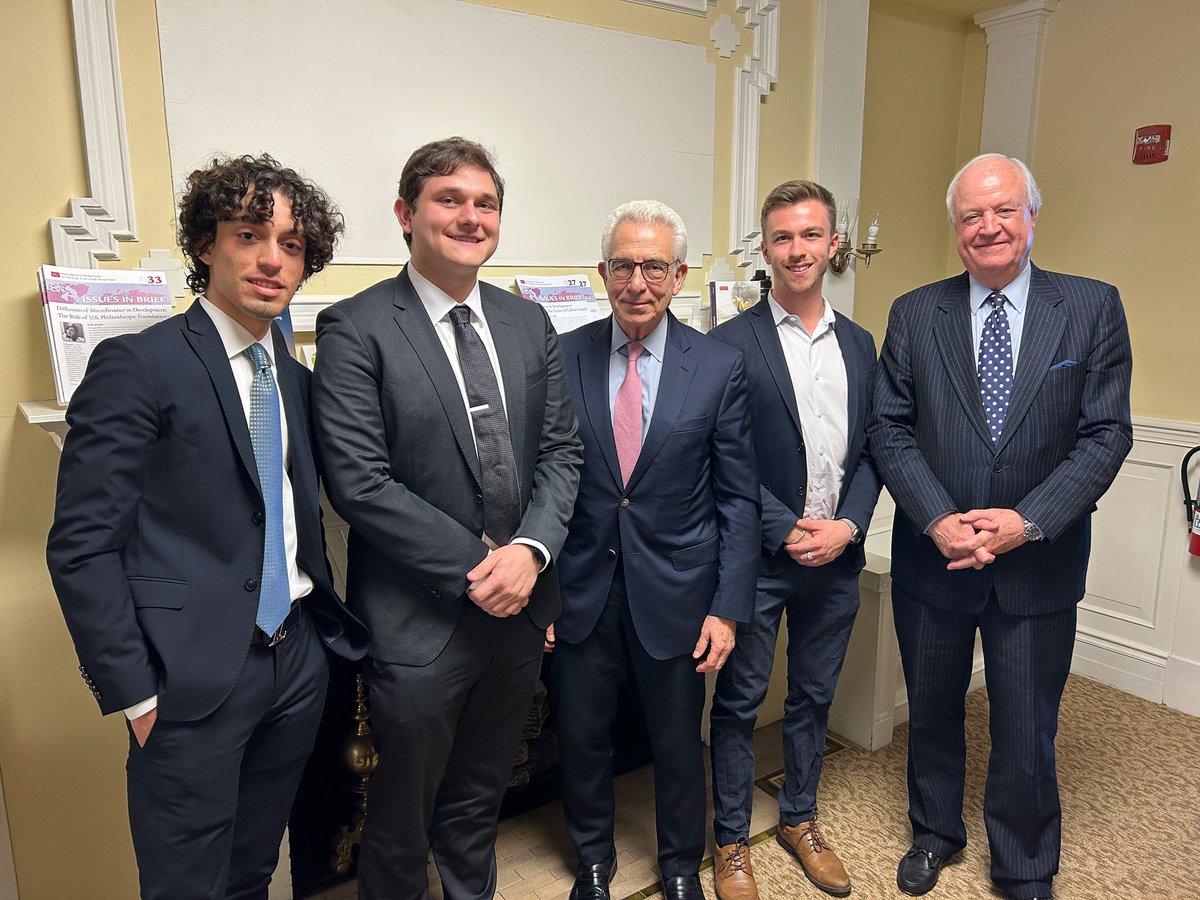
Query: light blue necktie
{"points": [[274, 595], [995, 365]]}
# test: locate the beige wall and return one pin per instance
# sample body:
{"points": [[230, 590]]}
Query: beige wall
{"points": [[924, 102], [62, 764], [1105, 73]]}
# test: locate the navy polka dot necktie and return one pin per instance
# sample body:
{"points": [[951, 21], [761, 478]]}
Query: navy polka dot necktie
{"points": [[266, 437], [995, 365]]}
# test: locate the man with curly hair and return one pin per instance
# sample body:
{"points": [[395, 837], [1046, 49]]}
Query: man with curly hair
{"points": [[188, 554]]}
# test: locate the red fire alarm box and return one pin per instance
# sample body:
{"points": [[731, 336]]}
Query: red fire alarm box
{"points": [[1151, 144]]}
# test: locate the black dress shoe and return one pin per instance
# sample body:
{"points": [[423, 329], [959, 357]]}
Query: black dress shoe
{"points": [[592, 881], [918, 872], [683, 887]]}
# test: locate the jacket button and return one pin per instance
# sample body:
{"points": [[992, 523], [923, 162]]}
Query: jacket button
{"points": [[800, 447], [251, 584], [800, 491], [998, 467], [257, 518], [479, 498], [624, 502], [612, 554]]}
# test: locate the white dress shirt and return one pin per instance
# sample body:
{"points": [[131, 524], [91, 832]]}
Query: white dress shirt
{"points": [[437, 305], [818, 374], [237, 340]]}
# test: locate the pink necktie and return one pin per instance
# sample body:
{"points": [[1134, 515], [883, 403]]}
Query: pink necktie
{"points": [[627, 415]]}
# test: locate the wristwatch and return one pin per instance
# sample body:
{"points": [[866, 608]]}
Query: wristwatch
{"points": [[1031, 531], [856, 534], [538, 556]]}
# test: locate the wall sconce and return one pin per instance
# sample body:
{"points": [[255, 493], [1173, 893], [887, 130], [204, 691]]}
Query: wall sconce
{"points": [[841, 257]]}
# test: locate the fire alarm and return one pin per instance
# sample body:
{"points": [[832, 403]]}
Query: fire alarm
{"points": [[1151, 144]]}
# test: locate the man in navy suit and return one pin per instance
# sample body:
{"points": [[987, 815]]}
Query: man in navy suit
{"points": [[187, 552], [659, 563], [811, 373], [1001, 417]]}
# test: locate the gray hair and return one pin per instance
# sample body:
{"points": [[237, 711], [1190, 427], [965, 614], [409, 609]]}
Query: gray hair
{"points": [[1033, 197], [645, 212]]}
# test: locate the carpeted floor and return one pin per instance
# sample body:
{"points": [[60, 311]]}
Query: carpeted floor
{"points": [[1129, 775]]}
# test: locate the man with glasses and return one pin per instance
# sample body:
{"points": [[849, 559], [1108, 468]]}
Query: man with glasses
{"points": [[661, 552]]}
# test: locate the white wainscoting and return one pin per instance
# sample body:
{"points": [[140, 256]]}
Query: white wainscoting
{"points": [[1139, 629]]}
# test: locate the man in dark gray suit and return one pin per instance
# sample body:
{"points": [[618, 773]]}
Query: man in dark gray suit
{"points": [[1001, 417], [445, 427]]}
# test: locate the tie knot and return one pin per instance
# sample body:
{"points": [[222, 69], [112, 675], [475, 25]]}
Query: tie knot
{"points": [[460, 315], [996, 299], [258, 355], [635, 350]]}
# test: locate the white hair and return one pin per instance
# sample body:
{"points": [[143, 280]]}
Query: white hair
{"points": [[646, 212], [1033, 197]]}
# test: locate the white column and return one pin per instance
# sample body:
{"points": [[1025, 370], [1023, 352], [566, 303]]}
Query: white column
{"points": [[1014, 40], [840, 82]]}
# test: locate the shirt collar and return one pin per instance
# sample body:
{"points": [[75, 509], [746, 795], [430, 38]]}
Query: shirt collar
{"points": [[655, 343], [1016, 291], [437, 302], [827, 321], [234, 337]]}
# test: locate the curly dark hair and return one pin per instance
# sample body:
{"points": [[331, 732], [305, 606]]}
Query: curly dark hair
{"points": [[444, 157], [243, 187]]}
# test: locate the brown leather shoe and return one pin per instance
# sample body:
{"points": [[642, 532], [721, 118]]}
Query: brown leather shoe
{"points": [[732, 874], [820, 864]]}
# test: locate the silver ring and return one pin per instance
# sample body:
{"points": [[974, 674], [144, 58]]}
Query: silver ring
{"points": [[809, 556]]}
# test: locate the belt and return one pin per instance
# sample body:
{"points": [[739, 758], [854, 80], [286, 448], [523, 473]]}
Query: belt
{"points": [[292, 620]]}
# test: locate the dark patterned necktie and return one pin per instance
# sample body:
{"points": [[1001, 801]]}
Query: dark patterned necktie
{"points": [[266, 437], [493, 444], [995, 365]]}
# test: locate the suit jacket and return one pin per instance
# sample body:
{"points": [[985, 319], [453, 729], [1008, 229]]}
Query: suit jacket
{"points": [[400, 464], [777, 430], [1066, 432], [687, 524], [157, 544]]}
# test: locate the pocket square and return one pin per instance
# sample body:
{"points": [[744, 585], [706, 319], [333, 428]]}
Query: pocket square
{"points": [[1066, 363]]}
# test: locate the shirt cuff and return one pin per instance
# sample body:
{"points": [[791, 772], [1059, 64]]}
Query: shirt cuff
{"points": [[537, 545], [140, 709]]}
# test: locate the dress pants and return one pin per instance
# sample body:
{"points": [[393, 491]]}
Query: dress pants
{"points": [[208, 800], [821, 604], [1026, 662], [586, 680], [447, 736]]}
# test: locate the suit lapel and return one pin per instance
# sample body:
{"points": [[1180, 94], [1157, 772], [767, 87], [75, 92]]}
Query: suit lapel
{"points": [[202, 335], [1040, 337], [512, 370], [678, 369], [853, 378], [593, 378], [767, 333], [418, 331], [952, 332], [293, 406]]}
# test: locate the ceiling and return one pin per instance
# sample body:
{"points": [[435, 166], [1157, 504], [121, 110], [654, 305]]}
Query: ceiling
{"points": [[961, 9]]}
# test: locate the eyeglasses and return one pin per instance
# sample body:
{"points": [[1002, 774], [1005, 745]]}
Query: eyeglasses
{"points": [[654, 271]]}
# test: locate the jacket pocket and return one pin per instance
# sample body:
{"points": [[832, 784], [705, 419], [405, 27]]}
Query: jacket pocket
{"points": [[697, 555], [158, 593]]}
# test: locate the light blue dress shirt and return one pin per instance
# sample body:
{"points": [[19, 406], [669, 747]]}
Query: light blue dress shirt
{"points": [[649, 366], [1016, 292]]}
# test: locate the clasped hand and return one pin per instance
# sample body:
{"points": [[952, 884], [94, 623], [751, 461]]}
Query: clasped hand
{"points": [[974, 539], [502, 582]]}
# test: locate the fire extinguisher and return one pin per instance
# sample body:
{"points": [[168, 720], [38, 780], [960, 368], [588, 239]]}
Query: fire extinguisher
{"points": [[1193, 503]]}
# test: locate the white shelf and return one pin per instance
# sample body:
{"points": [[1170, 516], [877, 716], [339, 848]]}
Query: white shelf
{"points": [[48, 416]]}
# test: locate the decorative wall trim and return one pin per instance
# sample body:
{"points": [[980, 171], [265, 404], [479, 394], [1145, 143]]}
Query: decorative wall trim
{"points": [[96, 223], [752, 81], [694, 7]]}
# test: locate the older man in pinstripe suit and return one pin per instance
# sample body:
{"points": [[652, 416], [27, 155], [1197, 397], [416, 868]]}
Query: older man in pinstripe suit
{"points": [[1001, 417]]}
